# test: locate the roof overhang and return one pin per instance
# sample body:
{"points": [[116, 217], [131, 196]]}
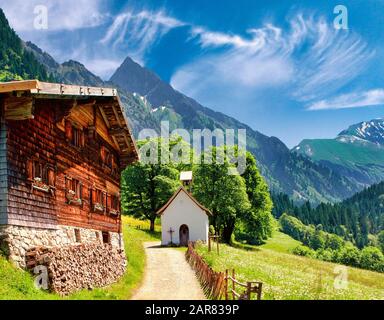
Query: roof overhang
{"points": [[20, 96]]}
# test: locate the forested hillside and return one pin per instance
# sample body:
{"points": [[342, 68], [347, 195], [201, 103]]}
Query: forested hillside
{"points": [[354, 218], [16, 63]]}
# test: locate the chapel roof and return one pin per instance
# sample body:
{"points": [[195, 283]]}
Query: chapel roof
{"points": [[182, 189]]}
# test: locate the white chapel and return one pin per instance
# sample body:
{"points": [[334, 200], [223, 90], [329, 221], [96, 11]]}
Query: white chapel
{"points": [[183, 218]]}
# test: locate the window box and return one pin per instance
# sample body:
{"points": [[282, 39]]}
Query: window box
{"points": [[41, 176], [98, 207], [114, 212], [73, 191], [38, 184]]}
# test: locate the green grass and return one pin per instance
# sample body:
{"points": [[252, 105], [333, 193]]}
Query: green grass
{"points": [[281, 242], [16, 284], [289, 277]]}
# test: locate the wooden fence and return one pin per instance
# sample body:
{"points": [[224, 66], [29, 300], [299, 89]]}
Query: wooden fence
{"points": [[216, 285]]}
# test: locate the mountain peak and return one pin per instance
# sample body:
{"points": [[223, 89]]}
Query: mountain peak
{"points": [[134, 78], [372, 131]]}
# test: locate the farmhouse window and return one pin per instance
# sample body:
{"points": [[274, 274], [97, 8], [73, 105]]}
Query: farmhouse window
{"points": [[74, 134], [74, 191], [113, 204], [41, 175], [107, 158], [98, 200], [78, 235], [106, 237]]}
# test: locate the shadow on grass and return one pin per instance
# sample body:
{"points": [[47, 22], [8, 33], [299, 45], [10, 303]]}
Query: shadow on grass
{"points": [[246, 247], [155, 234]]}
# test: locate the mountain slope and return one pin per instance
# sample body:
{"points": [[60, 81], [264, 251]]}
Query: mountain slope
{"points": [[15, 61], [285, 171], [73, 72], [357, 152]]}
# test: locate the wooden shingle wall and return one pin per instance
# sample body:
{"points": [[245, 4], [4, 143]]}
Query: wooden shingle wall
{"points": [[43, 139], [3, 169]]}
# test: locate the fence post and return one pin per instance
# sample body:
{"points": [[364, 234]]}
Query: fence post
{"points": [[209, 243], [226, 284], [233, 284], [249, 290], [260, 287]]}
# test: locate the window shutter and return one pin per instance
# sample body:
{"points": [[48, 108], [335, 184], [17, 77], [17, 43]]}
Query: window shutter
{"points": [[103, 153], [81, 191], [30, 170], [105, 199], [51, 177], [109, 202], [82, 138], [93, 197], [68, 130]]}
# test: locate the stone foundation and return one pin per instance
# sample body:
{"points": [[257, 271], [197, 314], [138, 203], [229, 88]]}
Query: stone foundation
{"points": [[15, 241], [72, 268]]}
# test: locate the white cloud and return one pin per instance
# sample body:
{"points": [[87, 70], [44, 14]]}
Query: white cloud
{"points": [[62, 14], [139, 31], [102, 67], [352, 100], [310, 59]]}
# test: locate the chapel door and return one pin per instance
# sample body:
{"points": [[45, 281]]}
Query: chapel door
{"points": [[184, 235]]}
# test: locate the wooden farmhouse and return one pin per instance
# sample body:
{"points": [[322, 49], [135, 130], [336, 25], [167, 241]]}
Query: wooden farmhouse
{"points": [[63, 148]]}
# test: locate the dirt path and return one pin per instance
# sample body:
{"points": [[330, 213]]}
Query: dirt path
{"points": [[168, 276]]}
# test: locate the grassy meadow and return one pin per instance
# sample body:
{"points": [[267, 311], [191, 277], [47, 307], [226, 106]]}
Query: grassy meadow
{"points": [[289, 277], [16, 284]]}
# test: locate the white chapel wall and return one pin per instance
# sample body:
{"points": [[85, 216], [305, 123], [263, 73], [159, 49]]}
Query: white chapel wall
{"points": [[184, 211]]}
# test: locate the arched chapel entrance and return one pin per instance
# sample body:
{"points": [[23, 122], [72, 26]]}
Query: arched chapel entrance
{"points": [[184, 235]]}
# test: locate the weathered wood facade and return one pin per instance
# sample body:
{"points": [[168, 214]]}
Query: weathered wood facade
{"points": [[62, 152]]}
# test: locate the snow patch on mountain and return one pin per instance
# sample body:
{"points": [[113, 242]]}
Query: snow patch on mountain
{"points": [[371, 131]]}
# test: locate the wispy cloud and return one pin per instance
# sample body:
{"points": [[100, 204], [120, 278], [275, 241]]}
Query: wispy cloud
{"points": [[310, 59], [102, 67], [139, 30], [352, 100], [62, 14]]}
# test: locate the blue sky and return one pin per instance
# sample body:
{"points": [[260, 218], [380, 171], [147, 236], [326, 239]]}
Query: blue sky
{"points": [[279, 66]]}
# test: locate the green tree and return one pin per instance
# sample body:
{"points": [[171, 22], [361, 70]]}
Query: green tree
{"points": [[225, 195], [380, 239], [372, 258], [146, 187], [334, 242], [318, 240], [258, 222]]}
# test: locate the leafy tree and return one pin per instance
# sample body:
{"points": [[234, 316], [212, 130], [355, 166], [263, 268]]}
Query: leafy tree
{"points": [[349, 256], [225, 195], [334, 242], [318, 240], [146, 187], [258, 222], [380, 239], [304, 251], [372, 258]]}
